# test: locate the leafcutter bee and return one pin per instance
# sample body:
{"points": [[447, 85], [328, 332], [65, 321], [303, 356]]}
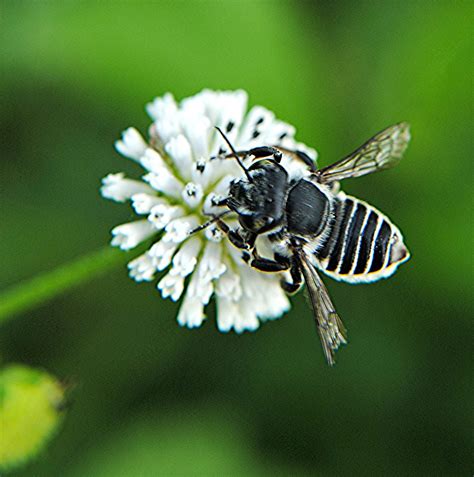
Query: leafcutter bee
{"points": [[313, 226]]}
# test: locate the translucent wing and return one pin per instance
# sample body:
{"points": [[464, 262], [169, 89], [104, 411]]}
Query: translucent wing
{"points": [[330, 327], [382, 151]]}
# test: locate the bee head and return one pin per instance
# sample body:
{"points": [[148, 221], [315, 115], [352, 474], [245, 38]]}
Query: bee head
{"points": [[259, 202], [242, 197]]}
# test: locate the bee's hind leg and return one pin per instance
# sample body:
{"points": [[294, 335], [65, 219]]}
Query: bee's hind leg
{"points": [[296, 282], [278, 264]]}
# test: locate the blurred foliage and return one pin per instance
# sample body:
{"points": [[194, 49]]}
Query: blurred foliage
{"points": [[197, 441], [31, 409], [35, 291], [74, 74]]}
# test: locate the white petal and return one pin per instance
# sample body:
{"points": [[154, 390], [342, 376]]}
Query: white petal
{"points": [[191, 313], [163, 181], [196, 104], [164, 111], [127, 236], [274, 305], [162, 253], [185, 259], [132, 144], [162, 214], [192, 194], [120, 189], [201, 290], [237, 315], [257, 121], [278, 131], [152, 161], [232, 109], [143, 203], [277, 306], [142, 268], [178, 229], [225, 109], [197, 128], [209, 208], [171, 286], [204, 172], [180, 152], [211, 266], [166, 128], [264, 292], [227, 313], [220, 192], [247, 319], [214, 234], [245, 316], [228, 286], [235, 254], [164, 106]]}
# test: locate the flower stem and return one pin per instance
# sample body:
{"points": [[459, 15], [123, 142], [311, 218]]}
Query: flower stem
{"points": [[34, 291]]}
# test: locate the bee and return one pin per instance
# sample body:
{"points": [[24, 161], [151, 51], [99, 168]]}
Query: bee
{"points": [[311, 225]]}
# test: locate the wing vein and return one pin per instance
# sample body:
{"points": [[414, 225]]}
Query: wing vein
{"points": [[382, 151], [330, 328]]}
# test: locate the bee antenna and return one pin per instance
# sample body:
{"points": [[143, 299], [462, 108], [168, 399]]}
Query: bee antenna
{"points": [[216, 218], [234, 153]]}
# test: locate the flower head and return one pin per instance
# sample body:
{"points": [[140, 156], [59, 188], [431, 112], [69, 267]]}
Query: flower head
{"points": [[185, 175]]}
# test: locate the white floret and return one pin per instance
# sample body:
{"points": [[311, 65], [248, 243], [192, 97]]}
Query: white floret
{"points": [[185, 178]]}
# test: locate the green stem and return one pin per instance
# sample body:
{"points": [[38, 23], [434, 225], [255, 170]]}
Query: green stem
{"points": [[34, 291]]}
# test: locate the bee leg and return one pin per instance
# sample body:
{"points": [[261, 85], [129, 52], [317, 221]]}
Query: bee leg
{"points": [[257, 152], [296, 279], [268, 265], [234, 236], [307, 160], [221, 155], [279, 264], [289, 288], [219, 202], [265, 151]]}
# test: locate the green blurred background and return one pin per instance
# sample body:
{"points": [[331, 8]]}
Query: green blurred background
{"points": [[152, 398]]}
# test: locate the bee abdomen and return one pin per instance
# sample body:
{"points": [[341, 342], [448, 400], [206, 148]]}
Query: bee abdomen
{"points": [[361, 244]]}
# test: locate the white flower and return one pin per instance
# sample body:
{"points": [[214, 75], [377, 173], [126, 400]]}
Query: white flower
{"points": [[178, 192]]}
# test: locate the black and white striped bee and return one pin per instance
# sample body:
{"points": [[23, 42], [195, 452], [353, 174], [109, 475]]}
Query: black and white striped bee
{"points": [[312, 225]]}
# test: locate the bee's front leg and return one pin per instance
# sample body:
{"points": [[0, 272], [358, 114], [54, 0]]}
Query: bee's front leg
{"points": [[266, 151], [236, 239]]}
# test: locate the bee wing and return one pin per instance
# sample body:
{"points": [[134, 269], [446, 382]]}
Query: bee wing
{"points": [[382, 151], [329, 324]]}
